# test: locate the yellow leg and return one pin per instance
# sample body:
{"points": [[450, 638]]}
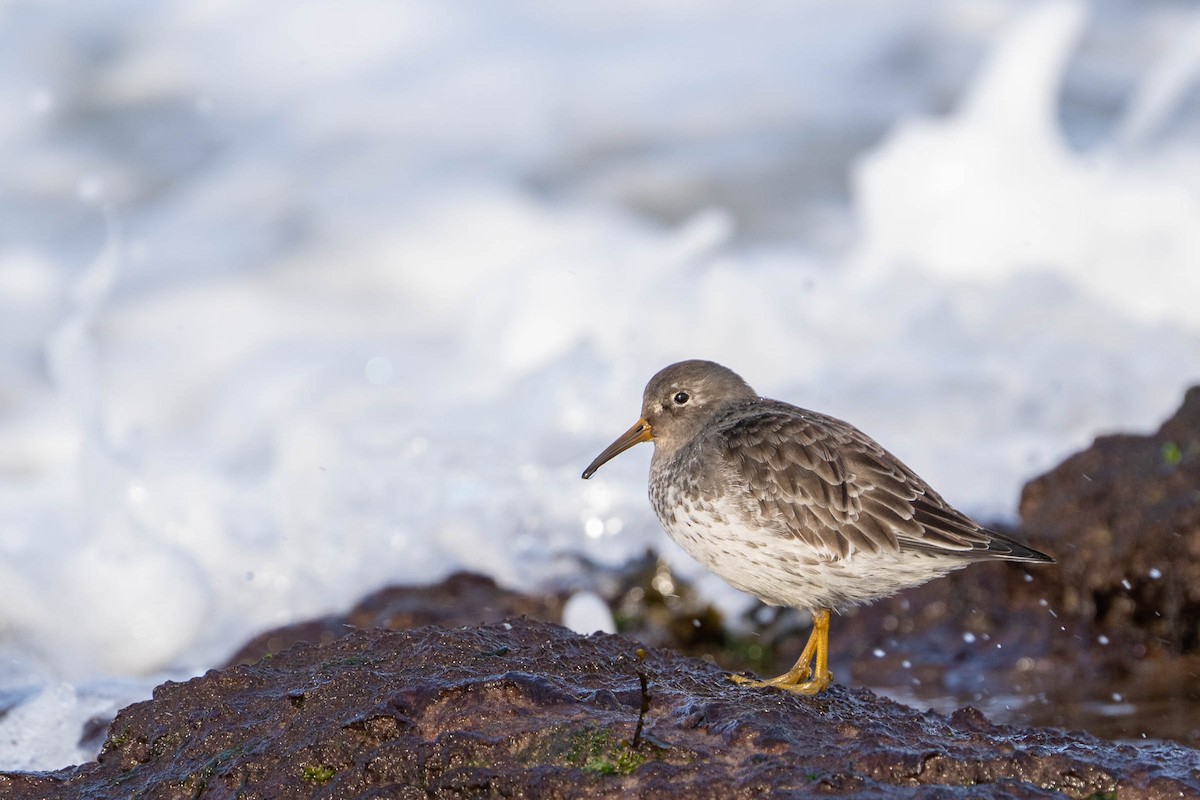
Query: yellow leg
{"points": [[804, 677]]}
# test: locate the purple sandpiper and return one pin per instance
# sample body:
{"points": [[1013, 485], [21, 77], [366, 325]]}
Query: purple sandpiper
{"points": [[794, 507]]}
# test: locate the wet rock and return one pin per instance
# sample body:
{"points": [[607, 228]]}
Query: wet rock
{"points": [[1123, 517], [529, 709], [462, 599], [648, 603]]}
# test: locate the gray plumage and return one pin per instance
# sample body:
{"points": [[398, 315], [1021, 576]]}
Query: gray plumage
{"points": [[812, 477], [794, 507]]}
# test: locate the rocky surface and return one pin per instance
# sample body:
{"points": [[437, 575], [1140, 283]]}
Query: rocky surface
{"points": [[461, 599], [1124, 518], [529, 709]]}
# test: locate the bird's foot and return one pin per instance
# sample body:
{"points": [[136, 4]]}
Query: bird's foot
{"points": [[810, 674], [787, 679], [812, 686], [794, 681]]}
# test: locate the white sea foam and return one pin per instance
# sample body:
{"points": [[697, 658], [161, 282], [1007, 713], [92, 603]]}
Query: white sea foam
{"points": [[285, 324], [586, 612]]}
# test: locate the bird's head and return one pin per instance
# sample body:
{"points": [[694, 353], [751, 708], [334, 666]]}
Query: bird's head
{"points": [[677, 403]]}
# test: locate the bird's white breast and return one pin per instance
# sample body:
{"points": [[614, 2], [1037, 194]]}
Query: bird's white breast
{"points": [[759, 557]]}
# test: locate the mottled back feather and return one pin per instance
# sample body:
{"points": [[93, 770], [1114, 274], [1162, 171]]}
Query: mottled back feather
{"points": [[824, 482]]}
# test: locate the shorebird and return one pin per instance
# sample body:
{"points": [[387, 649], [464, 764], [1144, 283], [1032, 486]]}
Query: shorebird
{"points": [[792, 506]]}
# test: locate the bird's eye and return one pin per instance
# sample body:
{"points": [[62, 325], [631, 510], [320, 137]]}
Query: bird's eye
{"points": [[681, 398]]}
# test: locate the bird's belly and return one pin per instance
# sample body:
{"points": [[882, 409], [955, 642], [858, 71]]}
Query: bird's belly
{"points": [[782, 570]]}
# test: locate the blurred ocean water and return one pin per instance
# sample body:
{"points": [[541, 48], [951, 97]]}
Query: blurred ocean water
{"points": [[301, 299]]}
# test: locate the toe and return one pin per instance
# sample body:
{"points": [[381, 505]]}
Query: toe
{"points": [[810, 687]]}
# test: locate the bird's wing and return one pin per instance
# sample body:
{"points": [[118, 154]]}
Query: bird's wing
{"points": [[827, 483]]}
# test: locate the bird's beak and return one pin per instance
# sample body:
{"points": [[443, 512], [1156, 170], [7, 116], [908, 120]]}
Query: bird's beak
{"points": [[639, 433]]}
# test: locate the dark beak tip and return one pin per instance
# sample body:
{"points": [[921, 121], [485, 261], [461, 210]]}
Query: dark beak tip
{"points": [[640, 432]]}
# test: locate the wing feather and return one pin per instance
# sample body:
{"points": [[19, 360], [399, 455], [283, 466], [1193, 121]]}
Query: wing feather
{"points": [[826, 483]]}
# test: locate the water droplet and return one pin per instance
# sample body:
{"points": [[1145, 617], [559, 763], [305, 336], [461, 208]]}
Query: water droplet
{"points": [[1117, 697], [878, 653], [1155, 573], [1102, 639], [1125, 582], [969, 637], [906, 664], [594, 528]]}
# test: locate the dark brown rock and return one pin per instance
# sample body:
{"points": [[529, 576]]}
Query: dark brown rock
{"points": [[462, 599], [1124, 519], [528, 709]]}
